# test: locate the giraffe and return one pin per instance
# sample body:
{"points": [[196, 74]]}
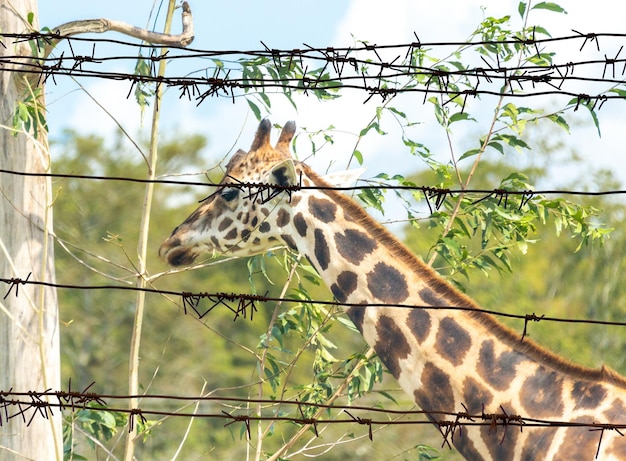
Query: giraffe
{"points": [[457, 361]]}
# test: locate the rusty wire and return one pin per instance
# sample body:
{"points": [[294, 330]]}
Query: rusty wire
{"points": [[245, 305], [268, 191], [341, 67], [28, 405]]}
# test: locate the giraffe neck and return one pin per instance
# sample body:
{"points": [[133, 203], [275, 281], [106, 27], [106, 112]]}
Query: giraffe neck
{"points": [[448, 360]]}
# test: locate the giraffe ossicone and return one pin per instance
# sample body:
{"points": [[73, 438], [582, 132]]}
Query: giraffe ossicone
{"points": [[447, 360]]}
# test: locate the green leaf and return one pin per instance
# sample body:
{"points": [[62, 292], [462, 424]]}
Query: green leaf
{"points": [[521, 9], [266, 100], [469, 153], [560, 121], [397, 112], [512, 141], [358, 156], [255, 109], [460, 116], [549, 6], [373, 125], [497, 146], [30, 18]]}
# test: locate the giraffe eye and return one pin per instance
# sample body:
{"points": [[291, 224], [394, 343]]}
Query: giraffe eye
{"points": [[229, 194]]}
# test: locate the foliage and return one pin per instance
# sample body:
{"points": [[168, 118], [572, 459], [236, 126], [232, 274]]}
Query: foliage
{"points": [[301, 354], [30, 113]]}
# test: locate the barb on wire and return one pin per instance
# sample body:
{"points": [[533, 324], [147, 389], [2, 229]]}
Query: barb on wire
{"points": [[502, 419], [307, 420], [239, 418], [530, 318], [245, 303], [437, 193], [131, 418], [265, 191], [602, 428], [15, 283], [363, 421]]}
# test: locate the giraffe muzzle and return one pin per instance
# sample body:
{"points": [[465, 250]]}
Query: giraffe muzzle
{"points": [[176, 255]]}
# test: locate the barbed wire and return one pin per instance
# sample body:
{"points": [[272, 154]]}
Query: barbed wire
{"points": [[245, 305], [360, 67], [430, 192], [31, 404]]}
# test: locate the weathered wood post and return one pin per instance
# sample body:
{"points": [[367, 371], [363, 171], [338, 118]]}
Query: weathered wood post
{"points": [[29, 327]]}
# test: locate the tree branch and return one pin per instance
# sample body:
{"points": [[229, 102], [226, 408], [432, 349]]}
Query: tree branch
{"points": [[99, 26]]}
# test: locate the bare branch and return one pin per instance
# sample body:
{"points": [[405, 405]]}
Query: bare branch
{"points": [[99, 26]]}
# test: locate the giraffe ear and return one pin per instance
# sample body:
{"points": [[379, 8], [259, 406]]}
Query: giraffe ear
{"points": [[283, 173], [236, 158]]}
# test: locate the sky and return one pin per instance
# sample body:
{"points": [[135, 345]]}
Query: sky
{"points": [[287, 24]]}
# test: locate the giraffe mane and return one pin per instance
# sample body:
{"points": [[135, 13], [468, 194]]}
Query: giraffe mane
{"points": [[444, 289]]}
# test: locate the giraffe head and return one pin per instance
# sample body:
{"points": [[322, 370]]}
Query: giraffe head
{"points": [[235, 220]]}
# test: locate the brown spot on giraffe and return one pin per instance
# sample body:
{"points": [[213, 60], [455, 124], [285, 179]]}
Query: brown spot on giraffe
{"points": [[436, 392], [499, 371], [357, 315], [224, 224], [542, 394], [387, 284], [617, 413], [585, 441], [587, 394], [475, 396], [291, 243], [465, 445], [419, 323], [345, 286], [322, 253], [300, 224], [295, 200], [431, 298], [232, 234], [538, 442], [453, 341], [391, 345], [354, 245], [265, 227], [283, 218], [322, 209]]}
